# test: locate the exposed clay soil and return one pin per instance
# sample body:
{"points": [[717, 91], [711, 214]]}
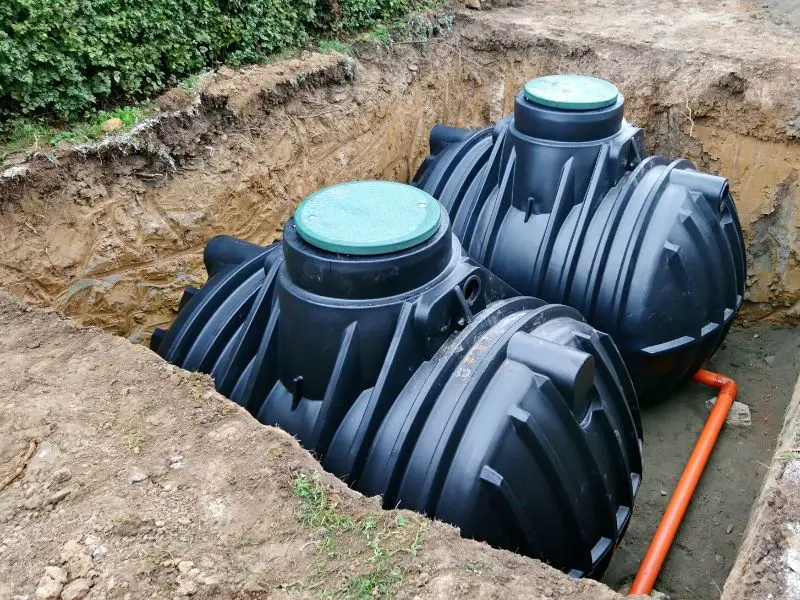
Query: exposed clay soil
{"points": [[110, 234], [764, 362], [145, 483]]}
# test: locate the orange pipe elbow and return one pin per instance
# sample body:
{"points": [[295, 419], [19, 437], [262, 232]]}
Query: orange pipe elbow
{"points": [[682, 496]]}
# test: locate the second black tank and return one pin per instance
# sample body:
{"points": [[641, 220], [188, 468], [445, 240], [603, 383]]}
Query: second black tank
{"points": [[561, 201]]}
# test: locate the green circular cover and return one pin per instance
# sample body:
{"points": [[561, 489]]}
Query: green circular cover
{"points": [[367, 217], [571, 92]]}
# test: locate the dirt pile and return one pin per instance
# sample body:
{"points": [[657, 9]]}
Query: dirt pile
{"points": [[136, 480]]}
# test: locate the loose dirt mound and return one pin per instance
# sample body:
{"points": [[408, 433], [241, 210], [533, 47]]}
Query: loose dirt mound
{"points": [[139, 481]]}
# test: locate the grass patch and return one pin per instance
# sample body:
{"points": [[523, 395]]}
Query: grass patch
{"points": [[193, 84], [133, 437], [329, 46], [356, 558], [41, 136]]}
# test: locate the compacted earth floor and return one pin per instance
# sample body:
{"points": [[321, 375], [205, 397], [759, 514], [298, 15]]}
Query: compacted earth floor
{"points": [[764, 361]]}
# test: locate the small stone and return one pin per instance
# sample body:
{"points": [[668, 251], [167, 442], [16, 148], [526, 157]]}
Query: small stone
{"points": [[658, 595], [412, 68], [423, 578], [160, 523], [59, 496], [62, 475], [136, 476], [99, 552], [718, 558], [193, 573], [176, 462], [78, 562], [76, 589], [185, 566], [663, 492], [729, 529], [174, 379], [184, 521], [79, 565], [187, 587], [475, 4], [48, 589], [770, 359], [738, 415], [111, 124], [32, 345], [755, 335], [57, 573]]}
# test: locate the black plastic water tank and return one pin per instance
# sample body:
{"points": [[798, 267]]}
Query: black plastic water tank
{"points": [[560, 200], [414, 373]]}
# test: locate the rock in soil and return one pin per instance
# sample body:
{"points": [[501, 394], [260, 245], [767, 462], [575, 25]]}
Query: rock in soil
{"points": [[76, 590], [48, 588], [739, 415], [111, 125], [56, 573]]}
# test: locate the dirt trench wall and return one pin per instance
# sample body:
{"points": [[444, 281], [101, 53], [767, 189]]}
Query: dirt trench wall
{"points": [[111, 234]]}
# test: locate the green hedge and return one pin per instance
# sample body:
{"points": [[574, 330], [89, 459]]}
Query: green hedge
{"points": [[63, 58]]}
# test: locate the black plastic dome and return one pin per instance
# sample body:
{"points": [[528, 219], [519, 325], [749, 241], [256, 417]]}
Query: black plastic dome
{"points": [[565, 205], [419, 376]]}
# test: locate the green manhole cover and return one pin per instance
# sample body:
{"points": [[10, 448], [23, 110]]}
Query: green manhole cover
{"points": [[571, 92], [367, 217]]}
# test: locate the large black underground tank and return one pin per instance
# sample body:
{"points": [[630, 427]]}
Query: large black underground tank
{"points": [[561, 201], [414, 373]]}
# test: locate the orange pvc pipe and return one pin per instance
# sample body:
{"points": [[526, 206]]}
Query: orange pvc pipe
{"points": [[676, 509]]}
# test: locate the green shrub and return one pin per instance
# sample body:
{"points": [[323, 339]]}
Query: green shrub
{"points": [[65, 58]]}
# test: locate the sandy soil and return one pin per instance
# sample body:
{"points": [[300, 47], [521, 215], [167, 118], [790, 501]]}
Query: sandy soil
{"points": [[139, 481], [765, 369]]}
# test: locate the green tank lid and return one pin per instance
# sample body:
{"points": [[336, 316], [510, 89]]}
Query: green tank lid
{"points": [[367, 217], [571, 92]]}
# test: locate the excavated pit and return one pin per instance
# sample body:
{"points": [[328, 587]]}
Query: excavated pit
{"points": [[111, 234]]}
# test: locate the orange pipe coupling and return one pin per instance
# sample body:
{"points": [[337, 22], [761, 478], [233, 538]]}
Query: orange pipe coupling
{"points": [[676, 509]]}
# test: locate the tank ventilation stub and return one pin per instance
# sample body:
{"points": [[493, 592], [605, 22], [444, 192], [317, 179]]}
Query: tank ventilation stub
{"points": [[414, 373], [561, 201]]}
